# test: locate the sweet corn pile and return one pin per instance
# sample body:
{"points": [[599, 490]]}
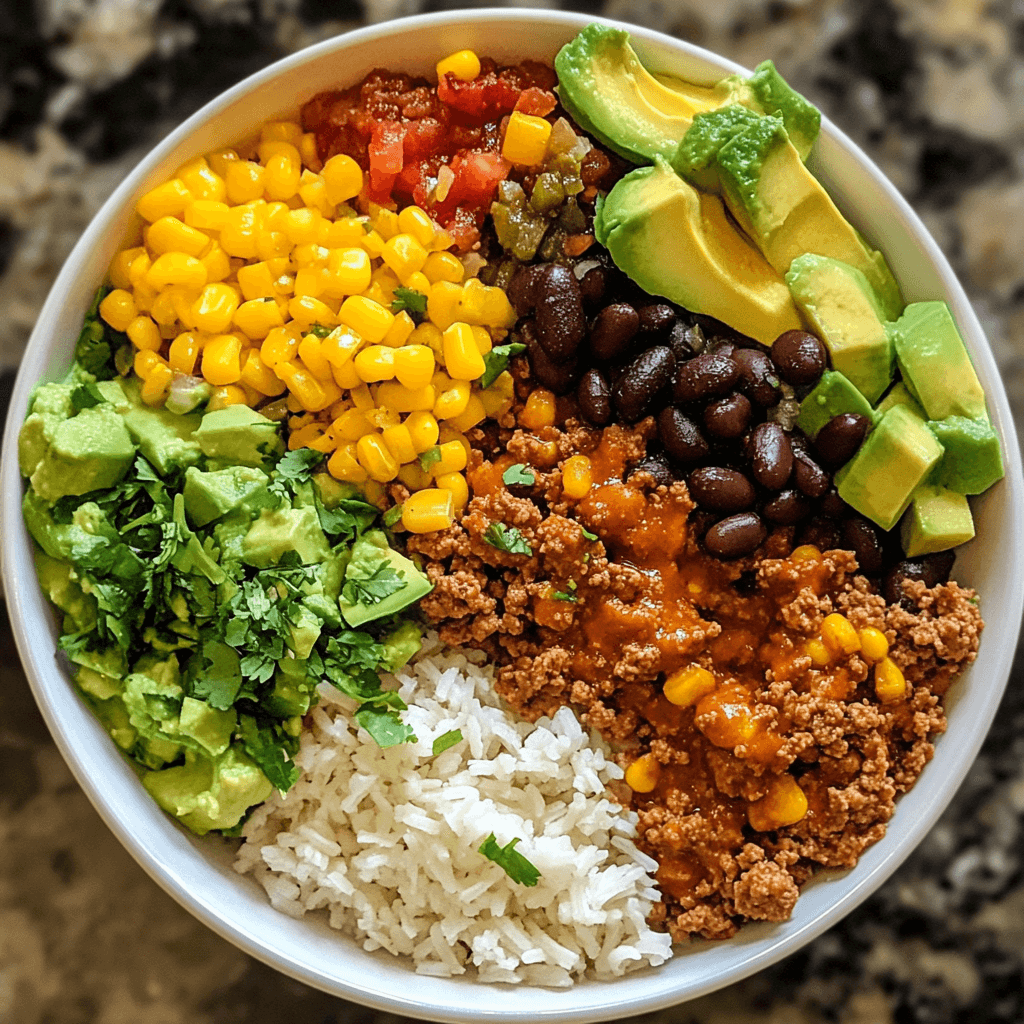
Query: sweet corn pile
{"points": [[255, 275]]}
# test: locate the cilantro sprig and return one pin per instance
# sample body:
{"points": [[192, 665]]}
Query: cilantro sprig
{"points": [[496, 361], [510, 860], [519, 475], [507, 538], [410, 301]]}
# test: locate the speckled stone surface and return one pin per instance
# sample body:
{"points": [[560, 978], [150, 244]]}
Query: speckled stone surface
{"points": [[933, 89]]}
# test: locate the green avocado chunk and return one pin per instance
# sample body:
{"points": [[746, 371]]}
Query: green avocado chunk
{"points": [[938, 519], [843, 308], [165, 438], [934, 362], [677, 242], [238, 435], [972, 461], [696, 158], [285, 529], [831, 396], [61, 585], [768, 91], [899, 395], [896, 456], [210, 495], [379, 581]]}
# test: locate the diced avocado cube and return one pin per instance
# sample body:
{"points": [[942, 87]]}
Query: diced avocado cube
{"points": [[210, 728], [934, 362], [899, 394], [108, 661], [843, 308], [164, 438], [372, 558], [114, 393], [293, 689], [324, 608], [938, 519], [239, 435], [97, 684], [697, 155], [401, 644], [214, 493], [60, 584], [303, 631], [895, 457], [831, 396], [767, 89], [973, 461], [285, 529], [113, 716]]}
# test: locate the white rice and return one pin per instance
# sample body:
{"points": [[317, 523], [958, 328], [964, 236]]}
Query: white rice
{"points": [[386, 841]]}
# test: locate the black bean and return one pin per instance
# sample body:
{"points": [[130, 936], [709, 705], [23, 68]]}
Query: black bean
{"points": [[683, 340], [657, 466], [557, 376], [593, 285], [559, 320], [681, 436], [613, 330], [721, 490], [800, 358], [722, 347], [727, 417], [808, 476], [821, 533], [656, 317], [705, 376], [861, 537], [736, 536], [771, 456], [758, 379], [837, 442], [931, 569], [595, 398], [787, 508], [833, 506], [522, 289], [646, 376]]}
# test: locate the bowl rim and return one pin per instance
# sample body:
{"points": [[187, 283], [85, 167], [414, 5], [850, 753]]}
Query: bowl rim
{"points": [[26, 628]]}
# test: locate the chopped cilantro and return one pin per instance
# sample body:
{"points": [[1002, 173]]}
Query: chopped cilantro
{"points": [[85, 396], [372, 589], [98, 342], [496, 361], [587, 534], [393, 516], [569, 594], [319, 331], [430, 457], [507, 538], [448, 739], [518, 475], [513, 863], [411, 301]]}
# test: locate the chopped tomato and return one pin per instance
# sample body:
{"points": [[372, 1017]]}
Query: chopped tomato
{"points": [[538, 102]]}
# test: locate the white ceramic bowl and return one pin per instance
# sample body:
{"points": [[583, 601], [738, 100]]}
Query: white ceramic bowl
{"points": [[197, 872]]}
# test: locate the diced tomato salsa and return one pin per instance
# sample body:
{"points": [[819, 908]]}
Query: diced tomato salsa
{"points": [[403, 130]]}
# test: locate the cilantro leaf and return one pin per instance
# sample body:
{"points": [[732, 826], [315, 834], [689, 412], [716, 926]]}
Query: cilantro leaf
{"points": [[372, 589], [271, 748], [392, 516], [297, 466], [430, 457], [565, 595], [513, 863], [507, 538], [97, 342], [587, 534], [384, 725], [496, 361], [319, 331], [411, 301], [221, 679], [85, 396], [448, 739], [518, 475]]}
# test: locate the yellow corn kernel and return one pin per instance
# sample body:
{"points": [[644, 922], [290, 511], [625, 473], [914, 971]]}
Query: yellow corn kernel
{"points": [[184, 351], [169, 234], [281, 131], [230, 394], [463, 64], [497, 399], [139, 268], [375, 363], [386, 282], [576, 476], [485, 305], [206, 214], [382, 417], [312, 395], [482, 337], [890, 683], [260, 377], [413, 477], [473, 414], [220, 362], [305, 436], [120, 276], [402, 399], [144, 363], [302, 226], [643, 774], [258, 317], [417, 282], [144, 334], [256, 281], [343, 179], [366, 317], [272, 243], [785, 804], [240, 232], [220, 160], [352, 425], [162, 309], [344, 465], [118, 309], [414, 366], [157, 383], [313, 191], [838, 634], [446, 433], [456, 483], [362, 398], [325, 443], [348, 272], [399, 331], [214, 309], [443, 266], [539, 410], [309, 254], [293, 404], [166, 200], [306, 311], [399, 442], [269, 148], [687, 686], [428, 510], [462, 358], [176, 268], [373, 244], [202, 181], [820, 655], [244, 181], [453, 401], [873, 644], [453, 459], [344, 233], [217, 263], [308, 151], [404, 254], [310, 281], [375, 457], [526, 139], [280, 346], [442, 302], [281, 176], [312, 355], [423, 430], [340, 346], [805, 553], [144, 297], [416, 222]]}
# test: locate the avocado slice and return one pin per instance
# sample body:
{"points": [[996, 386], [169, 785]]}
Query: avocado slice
{"points": [[899, 395], [285, 529], [972, 461], [677, 242], [610, 94], [934, 362], [373, 558], [831, 396], [938, 519], [896, 456], [239, 435], [210, 495], [766, 90], [696, 158], [843, 308]]}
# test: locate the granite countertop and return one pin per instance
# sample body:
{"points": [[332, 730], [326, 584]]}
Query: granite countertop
{"points": [[934, 91]]}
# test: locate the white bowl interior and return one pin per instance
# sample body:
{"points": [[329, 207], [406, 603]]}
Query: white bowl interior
{"points": [[196, 871]]}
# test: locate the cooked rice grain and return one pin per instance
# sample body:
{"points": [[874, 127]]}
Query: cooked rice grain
{"points": [[386, 840]]}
